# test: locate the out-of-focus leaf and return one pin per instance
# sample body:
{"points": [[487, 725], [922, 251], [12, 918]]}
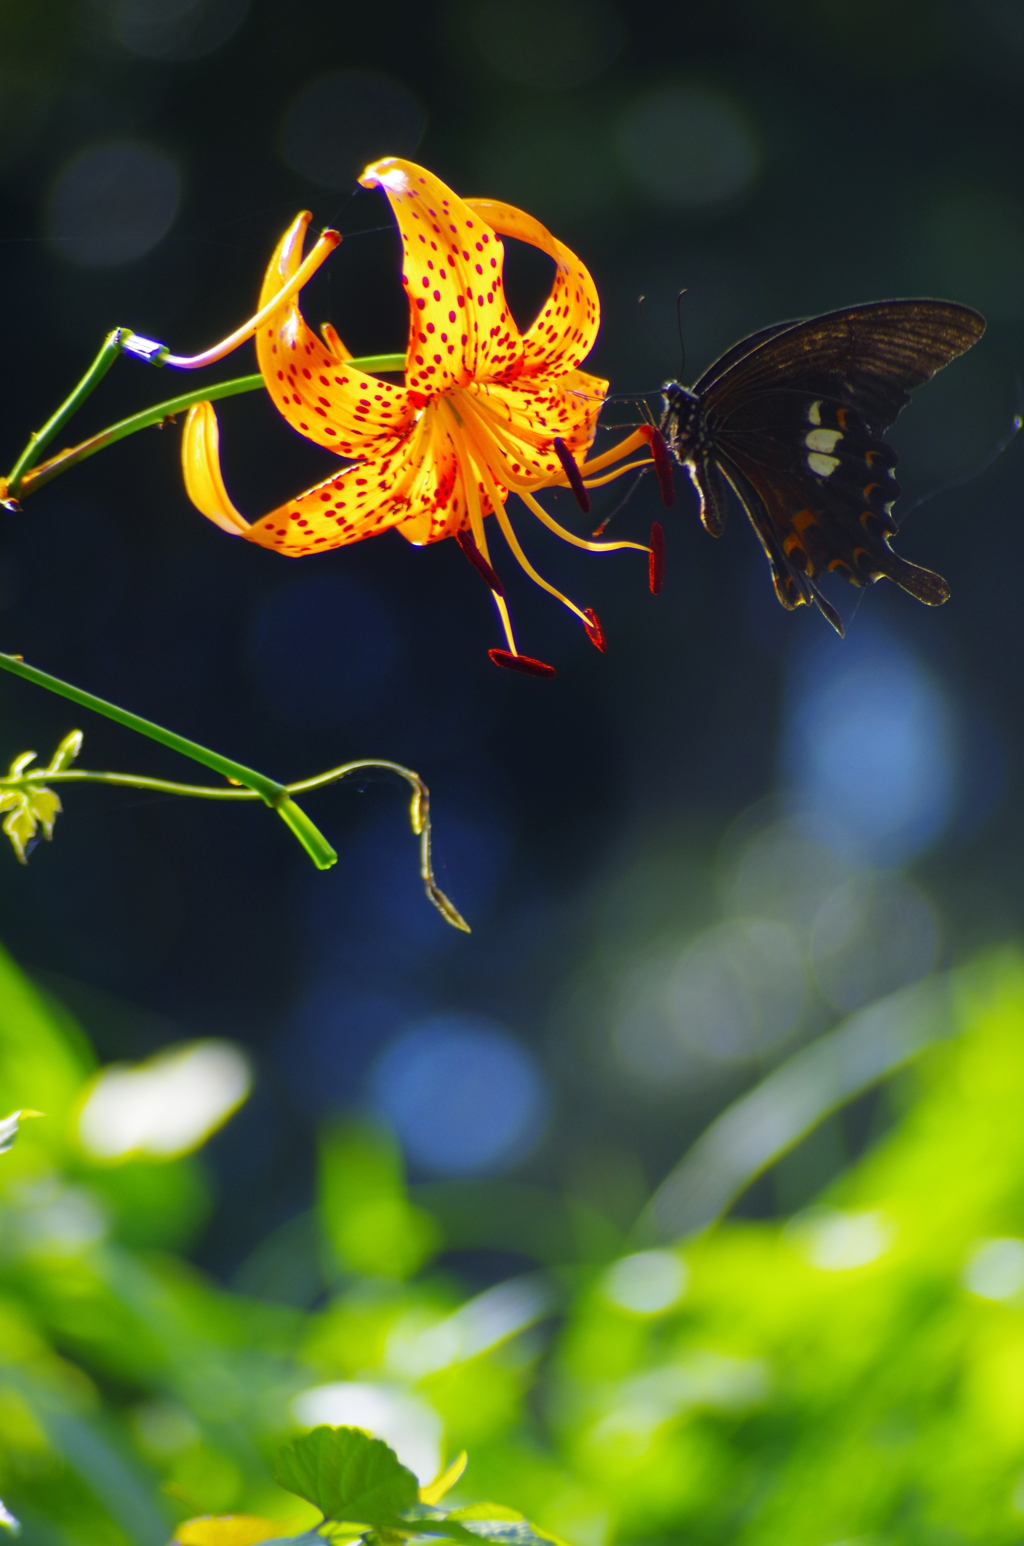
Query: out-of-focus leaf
{"points": [[155, 1204], [347, 1475], [496, 1523], [369, 1221], [9, 1129], [8, 1520], [227, 1530], [444, 1481]]}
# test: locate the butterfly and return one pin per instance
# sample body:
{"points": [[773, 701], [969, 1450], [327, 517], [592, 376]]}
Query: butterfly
{"points": [[792, 419]]}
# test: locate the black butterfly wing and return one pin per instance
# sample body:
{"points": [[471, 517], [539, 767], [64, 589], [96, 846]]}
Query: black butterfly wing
{"points": [[871, 357], [818, 487]]}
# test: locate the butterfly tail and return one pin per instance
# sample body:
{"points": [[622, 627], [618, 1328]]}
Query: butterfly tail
{"points": [[925, 584], [827, 611]]}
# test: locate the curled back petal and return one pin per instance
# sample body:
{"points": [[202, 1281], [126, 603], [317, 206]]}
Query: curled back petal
{"points": [[416, 487], [460, 327], [200, 461], [566, 326], [317, 391]]}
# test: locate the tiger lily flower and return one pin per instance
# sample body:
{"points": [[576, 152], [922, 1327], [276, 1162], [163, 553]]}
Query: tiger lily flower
{"points": [[485, 410]]}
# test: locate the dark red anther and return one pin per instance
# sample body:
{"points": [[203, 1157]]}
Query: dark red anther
{"points": [[656, 559], [662, 464], [573, 473], [524, 663], [595, 633], [479, 562]]}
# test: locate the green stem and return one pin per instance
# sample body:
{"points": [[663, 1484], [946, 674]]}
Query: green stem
{"points": [[275, 794], [112, 346], [158, 414], [419, 810]]}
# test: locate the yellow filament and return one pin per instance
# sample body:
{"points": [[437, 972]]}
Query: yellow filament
{"points": [[501, 515], [490, 430], [616, 453], [476, 519], [506, 622], [493, 409], [323, 249], [610, 477], [570, 536], [524, 562]]}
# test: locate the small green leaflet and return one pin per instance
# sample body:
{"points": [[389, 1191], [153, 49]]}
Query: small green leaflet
{"points": [[32, 806], [347, 1475]]}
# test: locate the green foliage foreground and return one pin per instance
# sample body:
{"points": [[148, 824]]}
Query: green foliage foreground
{"points": [[856, 1371]]}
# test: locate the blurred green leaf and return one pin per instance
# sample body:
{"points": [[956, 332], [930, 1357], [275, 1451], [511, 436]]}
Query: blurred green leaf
{"points": [[368, 1219], [9, 1129], [347, 1475], [154, 1204]]}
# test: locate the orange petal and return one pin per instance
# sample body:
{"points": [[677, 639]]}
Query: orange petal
{"points": [[200, 461], [416, 487], [566, 326], [460, 327], [319, 394]]}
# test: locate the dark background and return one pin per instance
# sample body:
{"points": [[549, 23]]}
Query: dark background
{"points": [[775, 158]]}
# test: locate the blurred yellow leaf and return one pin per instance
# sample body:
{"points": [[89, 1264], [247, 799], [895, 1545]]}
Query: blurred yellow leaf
{"points": [[227, 1530], [444, 1481]]}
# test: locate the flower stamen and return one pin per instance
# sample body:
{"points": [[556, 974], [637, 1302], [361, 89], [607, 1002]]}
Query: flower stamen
{"points": [[467, 544], [573, 474], [656, 565]]}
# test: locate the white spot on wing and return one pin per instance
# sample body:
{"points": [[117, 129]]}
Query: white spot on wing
{"points": [[823, 439], [814, 413], [822, 465]]}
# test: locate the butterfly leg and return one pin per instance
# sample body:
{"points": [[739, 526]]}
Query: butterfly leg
{"points": [[708, 482]]}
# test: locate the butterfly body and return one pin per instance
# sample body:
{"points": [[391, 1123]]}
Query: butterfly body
{"points": [[792, 419]]}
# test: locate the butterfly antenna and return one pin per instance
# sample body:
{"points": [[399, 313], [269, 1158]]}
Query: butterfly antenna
{"points": [[651, 333], [679, 331], [1016, 425]]}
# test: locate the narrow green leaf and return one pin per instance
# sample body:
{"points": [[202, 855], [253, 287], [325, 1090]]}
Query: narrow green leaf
{"points": [[347, 1475], [66, 752]]}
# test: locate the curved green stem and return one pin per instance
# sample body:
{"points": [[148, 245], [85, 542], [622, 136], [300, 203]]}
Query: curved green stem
{"points": [[295, 818], [112, 346], [268, 789], [26, 477], [158, 414]]}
